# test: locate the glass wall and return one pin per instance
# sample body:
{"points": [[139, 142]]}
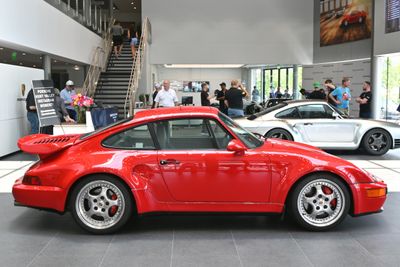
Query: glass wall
{"points": [[390, 86]]}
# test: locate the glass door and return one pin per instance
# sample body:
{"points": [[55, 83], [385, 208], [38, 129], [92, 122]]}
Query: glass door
{"points": [[390, 83]]}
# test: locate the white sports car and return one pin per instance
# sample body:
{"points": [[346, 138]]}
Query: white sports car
{"points": [[319, 124]]}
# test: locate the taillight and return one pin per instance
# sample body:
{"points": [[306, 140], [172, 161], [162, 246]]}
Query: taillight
{"points": [[31, 180]]}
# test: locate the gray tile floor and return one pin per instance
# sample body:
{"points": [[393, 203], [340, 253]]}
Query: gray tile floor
{"points": [[36, 238]]}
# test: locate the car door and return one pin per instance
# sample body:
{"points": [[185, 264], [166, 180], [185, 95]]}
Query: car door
{"points": [[196, 166], [318, 125]]}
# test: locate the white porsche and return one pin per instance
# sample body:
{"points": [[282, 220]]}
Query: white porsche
{"points": [[319, 124]]}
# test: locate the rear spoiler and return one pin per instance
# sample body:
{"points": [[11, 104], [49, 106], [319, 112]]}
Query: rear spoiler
{"points": [[44, 144]]}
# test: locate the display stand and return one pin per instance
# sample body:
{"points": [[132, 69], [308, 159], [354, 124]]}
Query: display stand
{"points": [[75, 128]]}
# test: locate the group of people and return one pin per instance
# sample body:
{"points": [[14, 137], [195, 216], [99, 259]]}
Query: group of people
{"points": [[119, 34], [230, 100], [278, 93], [62, 104], [340, 96]]}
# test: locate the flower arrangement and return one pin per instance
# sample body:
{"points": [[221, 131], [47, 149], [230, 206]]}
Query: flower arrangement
{"points": [[81, 103]]}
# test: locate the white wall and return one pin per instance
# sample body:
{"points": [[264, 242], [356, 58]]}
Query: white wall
{"points": [[357, 71], [13, 120], [214, 76], [384, 43], [230, 31], [37, 26]]}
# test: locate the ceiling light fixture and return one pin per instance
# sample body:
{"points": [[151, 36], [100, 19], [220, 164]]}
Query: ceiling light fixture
{"points": [[55, 61], [24, 54], [134, 7], [76, 67], [21, 63], [1, 48], [34, 66], [132, 3], [204, 66]]}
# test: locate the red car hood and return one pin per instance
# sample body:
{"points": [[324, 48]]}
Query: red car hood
{"points": [[290, 145], [45, 145]]}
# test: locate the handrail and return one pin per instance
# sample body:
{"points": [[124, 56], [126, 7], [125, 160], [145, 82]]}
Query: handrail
{"points": [[99, 62], [136, 70]]}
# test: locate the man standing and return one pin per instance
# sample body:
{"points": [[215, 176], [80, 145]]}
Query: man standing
{"points": [[234, 99], [221, 98], [343, 96], [66, 94], [32, 113], [330, 87], [166, 97], [205, 97], [317, 93], [365, 101], [157, 88], [255, 95]]}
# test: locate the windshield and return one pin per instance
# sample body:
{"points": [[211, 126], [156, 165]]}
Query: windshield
{"points": [[249, 139], [86, 135]]}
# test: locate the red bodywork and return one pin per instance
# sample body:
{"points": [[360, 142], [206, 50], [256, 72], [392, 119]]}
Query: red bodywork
{"points": [[354, 17], [258, 180]]}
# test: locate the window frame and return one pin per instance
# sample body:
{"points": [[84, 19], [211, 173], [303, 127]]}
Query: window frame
{"points": [[150, 129], [314, 104], [209, 128]]}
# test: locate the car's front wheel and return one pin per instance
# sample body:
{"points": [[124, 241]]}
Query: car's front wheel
{"points": [[377, 142], [280, 134], [101, 204], [319, 202]]}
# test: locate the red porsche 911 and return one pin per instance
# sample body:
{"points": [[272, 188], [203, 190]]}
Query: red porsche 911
{"points": [[190, 159], [353, 17]]}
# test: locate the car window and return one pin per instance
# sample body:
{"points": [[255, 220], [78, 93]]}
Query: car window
{"points": [[221, 136], [290, 113], [137, 138], [184, 134], [314, 111]]}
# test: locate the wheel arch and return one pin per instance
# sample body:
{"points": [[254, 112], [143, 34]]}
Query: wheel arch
{"points": [[293, 186], [80, 179]]}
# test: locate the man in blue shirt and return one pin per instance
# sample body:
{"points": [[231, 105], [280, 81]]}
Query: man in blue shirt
{"points": [[343, 96], [66, 94]]}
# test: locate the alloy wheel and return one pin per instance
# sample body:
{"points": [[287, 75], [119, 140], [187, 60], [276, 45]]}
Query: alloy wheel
{"points": [[377, 141], [100, 204], [321, 203]]}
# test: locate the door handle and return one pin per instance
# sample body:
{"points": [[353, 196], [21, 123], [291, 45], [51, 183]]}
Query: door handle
{"points": [[308, 123], [169, 161]]}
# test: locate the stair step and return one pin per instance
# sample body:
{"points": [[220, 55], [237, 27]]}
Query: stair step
{"points": [[112, 97]]}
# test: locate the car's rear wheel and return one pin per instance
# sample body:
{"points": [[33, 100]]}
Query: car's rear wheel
{"points": [[319, 202], [376, 142], [101, 204], [280, 134]]}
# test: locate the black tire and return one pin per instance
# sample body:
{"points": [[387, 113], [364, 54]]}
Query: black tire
{"points": [[303, 218], [280, 134], [371, 144], [113, 187]]}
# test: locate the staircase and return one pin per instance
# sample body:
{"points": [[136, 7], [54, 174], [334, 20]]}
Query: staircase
{"points": [[113, 83]]}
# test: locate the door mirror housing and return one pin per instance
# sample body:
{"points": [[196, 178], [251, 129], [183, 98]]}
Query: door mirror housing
{"points": [[335, 115], [237, 147]]}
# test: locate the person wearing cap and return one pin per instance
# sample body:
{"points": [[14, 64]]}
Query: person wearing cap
{"points": [[317, 93], [220, 96], [66, 94]]}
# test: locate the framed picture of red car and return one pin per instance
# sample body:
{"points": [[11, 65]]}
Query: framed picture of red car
{"points": [[344, 21]]}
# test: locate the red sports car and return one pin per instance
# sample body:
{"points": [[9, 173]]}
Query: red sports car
{"points": [[190, 159], [353, 17]]}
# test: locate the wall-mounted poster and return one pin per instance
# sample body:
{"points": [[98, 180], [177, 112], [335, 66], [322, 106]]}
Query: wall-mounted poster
{"points": [[344, 21], [392, 16], [193, 86]]}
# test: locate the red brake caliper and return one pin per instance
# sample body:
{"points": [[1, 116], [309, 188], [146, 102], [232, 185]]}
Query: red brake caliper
{"points": [[328, 191], [113, 209]]}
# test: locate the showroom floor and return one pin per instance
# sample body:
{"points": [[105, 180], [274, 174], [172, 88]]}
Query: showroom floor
{"points": [[36, 238]]}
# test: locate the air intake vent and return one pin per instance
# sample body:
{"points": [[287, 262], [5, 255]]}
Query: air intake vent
{"points": [[396, 143], [57, 139]]}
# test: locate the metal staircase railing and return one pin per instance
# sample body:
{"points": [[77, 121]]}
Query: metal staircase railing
{"points": [[98, 63], [136, 69]]}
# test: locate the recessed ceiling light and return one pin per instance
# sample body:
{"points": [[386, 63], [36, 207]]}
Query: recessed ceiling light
{"points": [[24, 54], [40, 57], [134, 7], [76, 67], [1, 48], [34, 66], [132, 3], [21, 63], [55, 61]]}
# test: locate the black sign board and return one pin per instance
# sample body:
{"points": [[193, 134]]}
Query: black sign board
{"points": [[43, 91]]}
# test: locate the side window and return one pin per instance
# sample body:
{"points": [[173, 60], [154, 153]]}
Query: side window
{"points": [[222, 137], [184, 134], [316, 111], [290, 113], [137, 138], [329, 112]]}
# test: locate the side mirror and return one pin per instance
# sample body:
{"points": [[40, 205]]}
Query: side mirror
{"points": [[235, 146], [335, 115]]}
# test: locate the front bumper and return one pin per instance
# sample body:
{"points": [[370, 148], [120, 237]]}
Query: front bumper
{"points": [[369, 198], [43, 197]]}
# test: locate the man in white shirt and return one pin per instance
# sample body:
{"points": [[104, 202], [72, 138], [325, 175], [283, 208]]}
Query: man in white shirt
{"points": [[166, 97]]}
